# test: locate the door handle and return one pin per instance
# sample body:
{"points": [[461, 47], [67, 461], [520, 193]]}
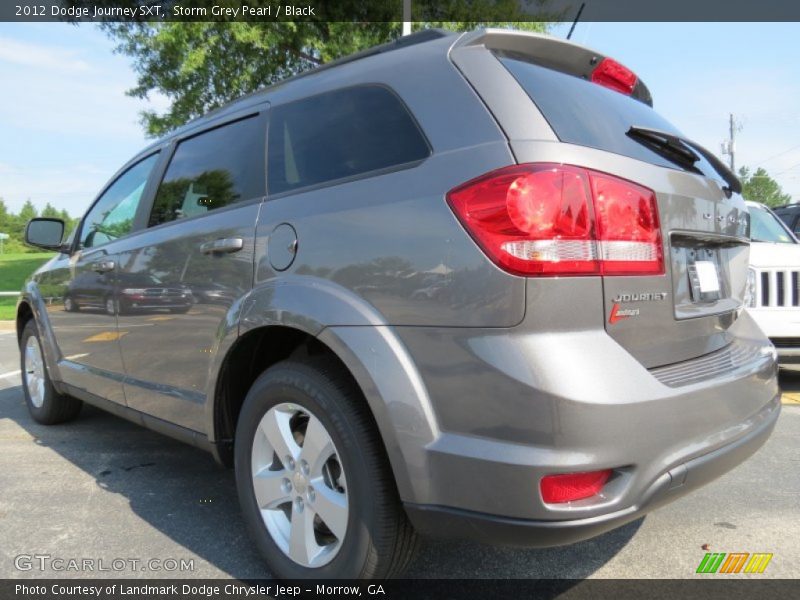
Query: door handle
{"points": [[222, 246], [104, 266]]}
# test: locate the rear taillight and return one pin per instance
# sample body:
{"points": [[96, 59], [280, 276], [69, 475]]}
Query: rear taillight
{"points": [[573, 486], [548, 219], [611, 74]]}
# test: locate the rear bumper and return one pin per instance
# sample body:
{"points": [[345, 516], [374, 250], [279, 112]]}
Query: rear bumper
{"points": [[447, 522], [782, 326], [514, 405], [788, 350]]}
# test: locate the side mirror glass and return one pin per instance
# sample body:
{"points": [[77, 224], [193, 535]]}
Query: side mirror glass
{"points": [[45, 233]]}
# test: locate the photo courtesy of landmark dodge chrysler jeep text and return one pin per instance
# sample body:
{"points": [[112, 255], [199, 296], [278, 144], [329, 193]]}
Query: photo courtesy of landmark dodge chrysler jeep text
{"points": [[459, 285]]}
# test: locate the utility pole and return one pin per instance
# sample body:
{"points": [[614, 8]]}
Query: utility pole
{"points": [[406, 17], [729, 147]]}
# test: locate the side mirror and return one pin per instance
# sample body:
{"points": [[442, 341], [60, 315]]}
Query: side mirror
{"points": [[45, 233]]}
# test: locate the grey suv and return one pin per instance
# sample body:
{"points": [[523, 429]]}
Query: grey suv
{"points": [[462, 285]]}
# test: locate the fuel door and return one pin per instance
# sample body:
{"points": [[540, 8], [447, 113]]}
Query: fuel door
{"points": [[282, 247]]}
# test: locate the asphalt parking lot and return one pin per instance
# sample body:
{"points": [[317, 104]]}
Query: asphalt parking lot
{"points": [[104, 489]]}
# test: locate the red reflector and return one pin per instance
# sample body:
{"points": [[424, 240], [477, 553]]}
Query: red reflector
{"points": [[611, 74], [573, 486], [548, 219]]}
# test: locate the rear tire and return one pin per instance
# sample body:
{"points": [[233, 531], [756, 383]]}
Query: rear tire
{"points": [[295, 404], [45, 404], [70, 305]]}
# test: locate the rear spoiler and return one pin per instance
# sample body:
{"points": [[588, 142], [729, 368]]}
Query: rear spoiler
{"points": [[553, 53]]}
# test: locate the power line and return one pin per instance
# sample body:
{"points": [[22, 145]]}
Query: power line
{"points": [[776, 155], [786, 170]]}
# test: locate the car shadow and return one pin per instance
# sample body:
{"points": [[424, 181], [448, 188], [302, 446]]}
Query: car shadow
{"points": [[181, 492]]}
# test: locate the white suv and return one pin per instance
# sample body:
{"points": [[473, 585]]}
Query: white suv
{"points": [[774, 281]]}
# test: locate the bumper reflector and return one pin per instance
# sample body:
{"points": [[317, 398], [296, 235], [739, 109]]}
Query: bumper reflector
{"points": [[573, 486]]}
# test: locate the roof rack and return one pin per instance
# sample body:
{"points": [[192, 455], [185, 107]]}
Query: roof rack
{"points": [[420, 37]]}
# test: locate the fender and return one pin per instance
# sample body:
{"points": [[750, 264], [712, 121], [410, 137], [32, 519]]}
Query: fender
{"points": [[368, 347], [50, 349]]}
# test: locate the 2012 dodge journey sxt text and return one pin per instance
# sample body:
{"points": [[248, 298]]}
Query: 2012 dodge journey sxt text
{"points": [[462, 285]]}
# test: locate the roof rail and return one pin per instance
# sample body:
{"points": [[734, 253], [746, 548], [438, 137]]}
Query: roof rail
{"points": [[420, 37]]}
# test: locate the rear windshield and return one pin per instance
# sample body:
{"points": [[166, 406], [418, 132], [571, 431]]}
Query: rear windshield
{"points": [[587, 114]]}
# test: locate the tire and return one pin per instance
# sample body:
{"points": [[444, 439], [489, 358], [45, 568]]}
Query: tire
{"points": [[377, 540], [70, 305], [180, 311], [45, 404]]}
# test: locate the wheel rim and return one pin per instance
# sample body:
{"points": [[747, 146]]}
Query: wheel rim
{"points": [[110, 306], [299, 484], [34, 371], [68, 304]]}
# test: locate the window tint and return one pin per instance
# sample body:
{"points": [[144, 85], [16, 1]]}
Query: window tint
{"points": [[340, 134], [112, 215], [584, 113], [212, 170]]}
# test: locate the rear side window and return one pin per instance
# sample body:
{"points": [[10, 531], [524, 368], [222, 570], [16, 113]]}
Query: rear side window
{"points": [[212, 170], [340, 134], [587, 114]]}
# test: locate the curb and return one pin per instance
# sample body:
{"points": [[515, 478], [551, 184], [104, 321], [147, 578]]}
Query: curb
{"points": [[790, 398], [8, 326]]}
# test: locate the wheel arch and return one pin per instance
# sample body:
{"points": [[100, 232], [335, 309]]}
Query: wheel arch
{"points": [[24, 314], [32, 306], [403, 426]]}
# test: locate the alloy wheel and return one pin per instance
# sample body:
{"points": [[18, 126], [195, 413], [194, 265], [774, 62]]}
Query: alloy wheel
{"points": [[34, 371], [300, 485]]}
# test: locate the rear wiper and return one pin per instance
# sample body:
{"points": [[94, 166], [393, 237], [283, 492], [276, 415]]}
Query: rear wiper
{"points": [[666, 144], [684, 152]]}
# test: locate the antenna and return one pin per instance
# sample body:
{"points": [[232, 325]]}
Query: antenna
{"points": [[577, 18]]}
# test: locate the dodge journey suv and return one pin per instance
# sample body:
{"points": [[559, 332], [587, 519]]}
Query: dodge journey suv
{"points": [[457, 285]]}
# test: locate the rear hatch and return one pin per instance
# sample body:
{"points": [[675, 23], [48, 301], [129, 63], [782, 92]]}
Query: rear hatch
{"points": [[609, 127]]}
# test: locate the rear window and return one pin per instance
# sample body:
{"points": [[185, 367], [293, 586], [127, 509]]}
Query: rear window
{"points": [[588, 114], [339, 135]]}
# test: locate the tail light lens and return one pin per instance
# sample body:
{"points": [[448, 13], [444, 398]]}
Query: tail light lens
{"points": [[547, 219], [611, 74], [573, 486]]}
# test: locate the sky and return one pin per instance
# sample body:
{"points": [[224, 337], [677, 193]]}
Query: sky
{"points": [[66, 125]]}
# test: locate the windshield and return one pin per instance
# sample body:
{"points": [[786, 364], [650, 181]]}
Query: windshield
{"points": [[766, 227]]}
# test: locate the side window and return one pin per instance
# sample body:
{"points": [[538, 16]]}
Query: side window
{"points": [[340, 134], [112, 215], [212, 170]]}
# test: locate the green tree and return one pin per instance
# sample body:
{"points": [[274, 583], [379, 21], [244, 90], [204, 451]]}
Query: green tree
{"points": [[27, 213], [760, 187], [200, 66], [5, 217], [50, 212], [69, 222]]}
